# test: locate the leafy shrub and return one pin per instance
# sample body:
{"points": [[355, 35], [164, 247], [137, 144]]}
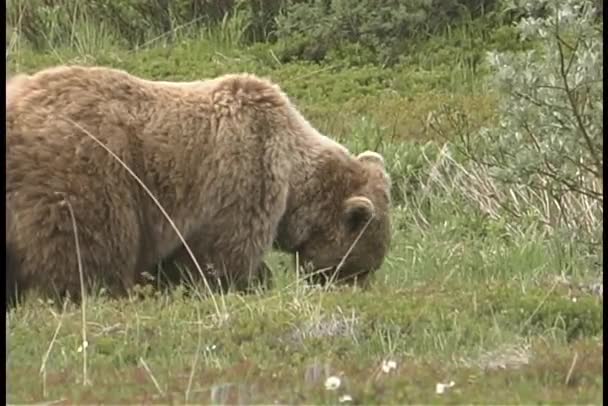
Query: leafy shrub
{"points": [[377, 31], [358, 32], [550, 134]]}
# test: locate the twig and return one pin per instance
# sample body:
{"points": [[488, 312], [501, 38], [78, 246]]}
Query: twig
{"points": [[569, 375], [196, 355], [154, 381], [48, 351], [577, 116], [85, 344]]}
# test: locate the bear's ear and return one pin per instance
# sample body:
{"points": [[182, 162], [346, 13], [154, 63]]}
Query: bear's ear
{"points": [[371, 156], [357, 212]]}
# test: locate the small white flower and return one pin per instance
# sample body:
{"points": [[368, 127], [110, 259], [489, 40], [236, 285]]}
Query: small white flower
{"points": [[84, 345], [332, 383], [574, 299], [345, 398], [441, 387], [388, 365]]}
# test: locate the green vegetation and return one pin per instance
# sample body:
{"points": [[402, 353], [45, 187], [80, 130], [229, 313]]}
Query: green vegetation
{"points": [[494, 279]]}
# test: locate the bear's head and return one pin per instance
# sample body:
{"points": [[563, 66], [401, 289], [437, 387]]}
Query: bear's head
{"points": [[348, 222]]}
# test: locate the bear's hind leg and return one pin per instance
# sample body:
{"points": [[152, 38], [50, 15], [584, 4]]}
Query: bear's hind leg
{"points": [[49, 260]]}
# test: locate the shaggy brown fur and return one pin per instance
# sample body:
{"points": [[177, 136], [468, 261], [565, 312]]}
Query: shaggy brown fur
{"points": [[230, 159]]}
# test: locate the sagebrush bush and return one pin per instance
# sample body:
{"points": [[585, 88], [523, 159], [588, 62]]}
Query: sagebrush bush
{"points": [[549, 138]]}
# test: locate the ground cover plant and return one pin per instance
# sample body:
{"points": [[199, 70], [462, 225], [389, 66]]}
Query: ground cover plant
{"points": [[490, 122]]}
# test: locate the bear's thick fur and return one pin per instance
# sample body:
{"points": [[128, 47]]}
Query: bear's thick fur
{"points": [[230, 159]]}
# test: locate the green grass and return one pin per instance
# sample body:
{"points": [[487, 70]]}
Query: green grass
{"points": [[497, 304]]}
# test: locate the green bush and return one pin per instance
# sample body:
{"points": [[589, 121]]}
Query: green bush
{"points": [[359, 32], [549, 140], [372, 31]]}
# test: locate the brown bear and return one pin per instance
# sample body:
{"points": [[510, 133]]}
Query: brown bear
{"points": [[231, 160]]}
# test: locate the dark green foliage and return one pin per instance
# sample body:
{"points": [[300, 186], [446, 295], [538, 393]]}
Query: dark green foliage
{"points": [[360, 32], [368, 31]]}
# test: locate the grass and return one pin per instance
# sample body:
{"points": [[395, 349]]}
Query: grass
{"points": [[505, 308]]}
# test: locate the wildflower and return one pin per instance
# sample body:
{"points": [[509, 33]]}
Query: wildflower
{"points": [[441, 387], [84, 345], [345, 398], [388, 366], [332, 383]]}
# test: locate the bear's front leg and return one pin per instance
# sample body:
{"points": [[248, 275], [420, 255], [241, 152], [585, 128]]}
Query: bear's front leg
{"points": [[239, 224], [179, 269]]}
